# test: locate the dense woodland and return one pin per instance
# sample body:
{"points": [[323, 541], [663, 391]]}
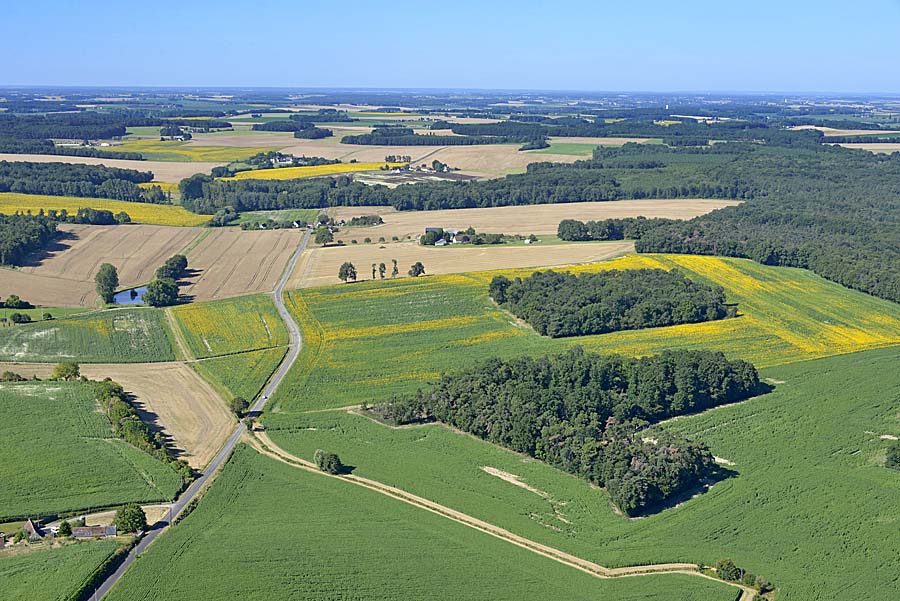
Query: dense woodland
{"points": [[12, 146], [559, 304], [583, 413], [21, 235], [91, 181]]}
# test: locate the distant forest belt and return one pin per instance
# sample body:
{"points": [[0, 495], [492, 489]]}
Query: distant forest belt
{"points": [[163, 171], [526, 219]]}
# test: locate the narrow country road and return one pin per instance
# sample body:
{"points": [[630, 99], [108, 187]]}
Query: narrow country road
{"points": [[191, 492]]}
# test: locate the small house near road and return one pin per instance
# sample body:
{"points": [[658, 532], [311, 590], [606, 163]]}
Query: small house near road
{"points": [[93, 531], [33, 531]]}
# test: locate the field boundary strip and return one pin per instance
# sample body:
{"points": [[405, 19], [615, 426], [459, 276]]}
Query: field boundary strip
{"points": [[261, 442]]}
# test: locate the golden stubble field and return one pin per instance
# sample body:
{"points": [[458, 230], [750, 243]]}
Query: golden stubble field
{"points": [[319, 266], [171, 396], [64, 275], [530, 219], [163, 171], [232, 262]]}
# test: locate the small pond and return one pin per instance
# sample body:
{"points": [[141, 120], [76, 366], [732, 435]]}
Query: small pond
{"points": [[132, 296]]}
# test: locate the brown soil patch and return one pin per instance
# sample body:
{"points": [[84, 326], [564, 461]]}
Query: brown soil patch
{"points": [[321, 267], [163, 171], [63, 275], [531, 219], [231, 262], [170, 395]]}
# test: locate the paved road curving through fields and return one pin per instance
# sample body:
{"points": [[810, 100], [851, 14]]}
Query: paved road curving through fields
{"points": [[197, 485]]}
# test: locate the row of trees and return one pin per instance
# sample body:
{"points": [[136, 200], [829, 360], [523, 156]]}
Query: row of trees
{"points": [[347, 271], [628, 228], [584, 413], [14, 146], [559, 304]]}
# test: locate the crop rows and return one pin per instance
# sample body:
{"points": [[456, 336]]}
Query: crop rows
{"points": [[241, 374], [74, 461], [233, 325]]}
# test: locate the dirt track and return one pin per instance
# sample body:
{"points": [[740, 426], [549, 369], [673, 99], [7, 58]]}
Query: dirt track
{"points": [[263, 444], [172, 397], [232, 262], [163, 171], [319, 266]]}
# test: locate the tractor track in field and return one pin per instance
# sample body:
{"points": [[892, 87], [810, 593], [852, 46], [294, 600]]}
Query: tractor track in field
{"points": [[261, 442]]}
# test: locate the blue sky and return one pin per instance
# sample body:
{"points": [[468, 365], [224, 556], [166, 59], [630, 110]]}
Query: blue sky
{"points": [[638, 45]]}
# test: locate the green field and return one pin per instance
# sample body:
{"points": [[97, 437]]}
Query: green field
{"points": [[366, 341], [38, 312], [241, 374], [279, 215], [155, 150], [59, 454], [809, 507], [233, 325], [115, 336], [330, 541], [50, 574], [569, 148]]}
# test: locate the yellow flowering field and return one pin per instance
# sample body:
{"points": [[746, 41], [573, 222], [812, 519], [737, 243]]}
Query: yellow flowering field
{"points": [[156, 150], [168, 187], [231, 326], [312, 171], [366, 341], [11, 202]]}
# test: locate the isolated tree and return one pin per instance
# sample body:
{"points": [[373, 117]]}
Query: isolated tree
{"points": [[239, 405], [396, 270], [382, 269], [161, 292], [107, 280], [324, 236], [417, 269], [329, 463], [131, 518], [65, 528], [893, 456], [374, 269], [66, 371], [347, 272]]}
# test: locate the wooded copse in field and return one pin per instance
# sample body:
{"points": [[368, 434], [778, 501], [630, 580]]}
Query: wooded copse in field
{"points": [[583, 413], [559, 304], [67, 179]]}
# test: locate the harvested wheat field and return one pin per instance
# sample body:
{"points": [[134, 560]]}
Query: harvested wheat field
{"points": [[879, 147], [530, 219], [830, 131], [231, 262], [163, 171], [319, 266], [63, 275], [170, 396]]}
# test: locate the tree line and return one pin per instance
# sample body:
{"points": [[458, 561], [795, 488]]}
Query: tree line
{"points": [[89, 181], [559, 304], [12, 146], [584, 413]]}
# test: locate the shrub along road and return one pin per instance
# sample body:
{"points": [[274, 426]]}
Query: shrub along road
{"points": [[197, 485]]}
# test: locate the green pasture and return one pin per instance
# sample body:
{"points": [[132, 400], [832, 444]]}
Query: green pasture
{"points": [[336, 541], [73, 459]]}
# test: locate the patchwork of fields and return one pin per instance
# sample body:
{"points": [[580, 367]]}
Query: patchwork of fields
{"points": [[163, 171], [74, 461], [366, 341], [333, 529], [812, 497]]}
